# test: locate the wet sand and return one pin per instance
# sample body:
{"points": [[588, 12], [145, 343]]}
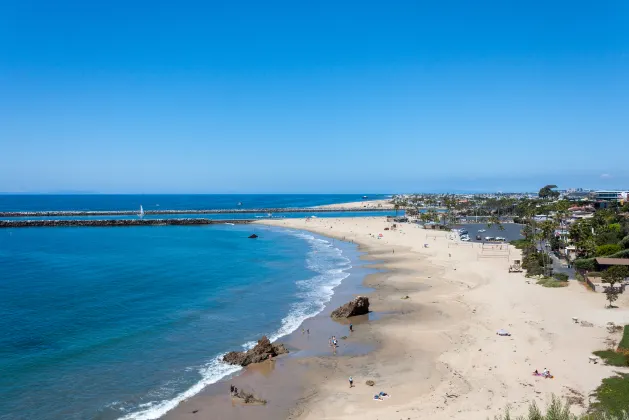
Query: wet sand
{"points": [[286, 381]]}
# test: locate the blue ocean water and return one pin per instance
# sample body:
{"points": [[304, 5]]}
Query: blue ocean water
{"points": [[112, 202], [99, 323]]}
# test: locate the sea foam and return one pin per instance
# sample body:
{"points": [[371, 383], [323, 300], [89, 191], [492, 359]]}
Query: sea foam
{"points": [[331, 267]]}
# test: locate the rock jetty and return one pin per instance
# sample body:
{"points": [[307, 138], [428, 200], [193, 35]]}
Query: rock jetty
{"points": [[114, 222], [190, 211], [358, 306], [259, 353]]}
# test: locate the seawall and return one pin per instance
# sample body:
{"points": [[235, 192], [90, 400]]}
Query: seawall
{"points": [[114, 222], [212, 211]]}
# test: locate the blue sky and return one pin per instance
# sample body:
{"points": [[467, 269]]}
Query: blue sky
{"points": [[326, 96]]}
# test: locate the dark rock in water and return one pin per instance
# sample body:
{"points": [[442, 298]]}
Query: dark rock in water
{"points": [[257, 354], [253, 236], [358, 306]]}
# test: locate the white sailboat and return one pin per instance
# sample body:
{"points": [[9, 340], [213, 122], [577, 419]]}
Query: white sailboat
{"points": [[141, 213]]}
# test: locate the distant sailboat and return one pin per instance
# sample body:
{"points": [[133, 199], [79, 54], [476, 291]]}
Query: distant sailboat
{"points": [[141, 213]]}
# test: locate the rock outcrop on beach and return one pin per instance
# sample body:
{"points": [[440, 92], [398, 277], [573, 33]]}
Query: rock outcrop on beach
{"points": [[259, 353], [358, 306]]}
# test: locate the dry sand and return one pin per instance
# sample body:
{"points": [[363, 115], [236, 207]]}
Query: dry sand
{"points": [[437, 353], [365, 204]]}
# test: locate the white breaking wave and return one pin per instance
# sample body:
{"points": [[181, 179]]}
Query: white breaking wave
{"points": [[211, 373], [329, 264]]}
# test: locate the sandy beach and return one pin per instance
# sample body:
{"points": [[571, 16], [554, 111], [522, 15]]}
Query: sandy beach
{"points": [[438, 352], [437, 305], [365, 204]]}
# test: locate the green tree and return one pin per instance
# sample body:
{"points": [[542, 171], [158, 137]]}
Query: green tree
{"points": [[614, 274], [581, 234], [608, 249], [548, 193], [494, 220]]}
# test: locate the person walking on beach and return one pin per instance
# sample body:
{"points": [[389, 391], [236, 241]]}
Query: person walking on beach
{"points": [[351, 382], [351, 328]]}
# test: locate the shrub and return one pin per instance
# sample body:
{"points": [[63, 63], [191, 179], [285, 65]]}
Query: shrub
{"points": [[561, 276], [519, 243], [558, 410], [585, 264], [621, 254], [613, 358], [550, 282], [579, 277], [604, 250], [595, 274], [624, 242]]}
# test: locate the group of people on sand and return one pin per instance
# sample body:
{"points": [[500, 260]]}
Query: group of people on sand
{"points": [[545, 373], [233, 390]]}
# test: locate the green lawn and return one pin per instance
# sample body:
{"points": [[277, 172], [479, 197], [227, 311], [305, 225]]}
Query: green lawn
{"points": [[612, 395], [612, 358]]}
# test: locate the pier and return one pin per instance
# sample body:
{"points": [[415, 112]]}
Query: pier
{"points": [[116, 222], [211, 211]]}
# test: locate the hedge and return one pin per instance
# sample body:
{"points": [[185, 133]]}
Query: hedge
{"points": [[590, 263], [585, 264], [609, 249]]}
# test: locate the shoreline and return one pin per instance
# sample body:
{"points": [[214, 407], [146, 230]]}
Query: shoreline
{"points": [[279, 381]]}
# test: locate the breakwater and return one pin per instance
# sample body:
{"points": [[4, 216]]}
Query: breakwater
{"points": [[115, 222], [212, 211]]}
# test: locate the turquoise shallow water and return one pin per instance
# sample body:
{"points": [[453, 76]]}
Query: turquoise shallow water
{"points": [[124, 323]]}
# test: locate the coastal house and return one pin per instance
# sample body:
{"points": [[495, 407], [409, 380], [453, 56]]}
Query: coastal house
{"points": [[605, 263], [616, 195]]}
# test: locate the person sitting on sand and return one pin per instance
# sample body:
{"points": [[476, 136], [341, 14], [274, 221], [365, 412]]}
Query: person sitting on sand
{"points": [[377, 397], [545, 372], [383, 394], [536, 373]]}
